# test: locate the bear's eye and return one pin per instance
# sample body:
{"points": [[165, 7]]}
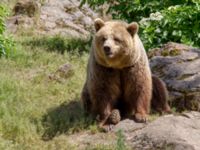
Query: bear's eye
{"points": [[103, 39], [117, 40]]}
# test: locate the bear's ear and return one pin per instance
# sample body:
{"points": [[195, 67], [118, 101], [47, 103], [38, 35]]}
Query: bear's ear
{"points": [[133, 28], [98, 23]]}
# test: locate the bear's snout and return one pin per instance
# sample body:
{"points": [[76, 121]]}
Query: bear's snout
{"points": [[107, 50]]}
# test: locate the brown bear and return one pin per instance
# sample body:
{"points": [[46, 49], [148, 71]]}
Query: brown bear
{"points": [[119, 76]]}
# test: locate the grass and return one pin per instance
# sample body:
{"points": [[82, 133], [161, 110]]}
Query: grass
{"points": [[60, 44], [34, 109], [120, 141]]}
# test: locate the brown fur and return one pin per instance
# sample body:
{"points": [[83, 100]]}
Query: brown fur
{"points": [[120, 79], [160, 96]]}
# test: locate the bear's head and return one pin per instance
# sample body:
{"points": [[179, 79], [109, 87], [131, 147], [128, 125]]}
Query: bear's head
{"points": [[114, 43]]}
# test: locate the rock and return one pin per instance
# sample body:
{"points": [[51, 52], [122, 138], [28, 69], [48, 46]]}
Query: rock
{"points": [[69, 18], [24, 12], [26, 7], [62, 73], [178, 65], [65, 71], [19, 22], [128, 125], [168, 132], [87, 140], [54, 17]]}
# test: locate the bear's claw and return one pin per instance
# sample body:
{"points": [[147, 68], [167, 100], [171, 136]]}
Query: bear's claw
{"points": [[141, 118]]}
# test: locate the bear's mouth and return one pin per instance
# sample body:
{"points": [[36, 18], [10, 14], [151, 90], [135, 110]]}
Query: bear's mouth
{"points": [[109, 54]]}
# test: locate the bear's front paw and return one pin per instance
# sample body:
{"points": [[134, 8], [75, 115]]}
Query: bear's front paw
{"points": [[142, 118]]}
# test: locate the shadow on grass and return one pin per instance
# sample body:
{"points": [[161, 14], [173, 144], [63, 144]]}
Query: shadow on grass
{"points": [[67, 118]]}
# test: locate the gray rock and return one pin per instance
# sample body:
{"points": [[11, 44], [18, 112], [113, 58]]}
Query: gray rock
{"points": [[64, 72], [128, 125], [54, 17], [17, 22], [181, 72], [169, 132], [70, 20]]}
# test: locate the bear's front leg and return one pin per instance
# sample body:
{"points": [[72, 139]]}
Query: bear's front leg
{"points": [[142, 106], [104, 97], [137, 93], [143, 96], [103, 114], [104, 91], [136, 106]]}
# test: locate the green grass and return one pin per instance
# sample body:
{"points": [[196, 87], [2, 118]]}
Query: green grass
{"points": [[60, 44], [120, 141], [33, 108]]}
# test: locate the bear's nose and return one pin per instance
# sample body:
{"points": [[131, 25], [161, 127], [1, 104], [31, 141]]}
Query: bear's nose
{"points": [[107, 50]]}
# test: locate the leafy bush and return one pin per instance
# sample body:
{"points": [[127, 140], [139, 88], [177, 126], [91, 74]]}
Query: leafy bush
{"points": [[177, 23], [160, 21], [6, 44]]}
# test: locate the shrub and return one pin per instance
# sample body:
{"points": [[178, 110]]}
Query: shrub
{"points": [[160, 21], [178, 23], [6, 43]]}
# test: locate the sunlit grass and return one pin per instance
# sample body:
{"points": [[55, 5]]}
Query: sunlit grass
{"points": [[32, 107]]}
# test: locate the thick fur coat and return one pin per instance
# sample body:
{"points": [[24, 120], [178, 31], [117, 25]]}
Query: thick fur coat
{"points": [[118, 73]]}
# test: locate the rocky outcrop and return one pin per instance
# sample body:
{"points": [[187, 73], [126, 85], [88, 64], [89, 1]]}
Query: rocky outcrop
{"points": [[169, 132], [178, 65], [64, 17], [27, 7]]}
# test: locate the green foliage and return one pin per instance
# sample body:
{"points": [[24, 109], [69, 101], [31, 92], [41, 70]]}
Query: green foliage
{"points": [[3, 14], [6, 43], [177, 23], [160, 20]]}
